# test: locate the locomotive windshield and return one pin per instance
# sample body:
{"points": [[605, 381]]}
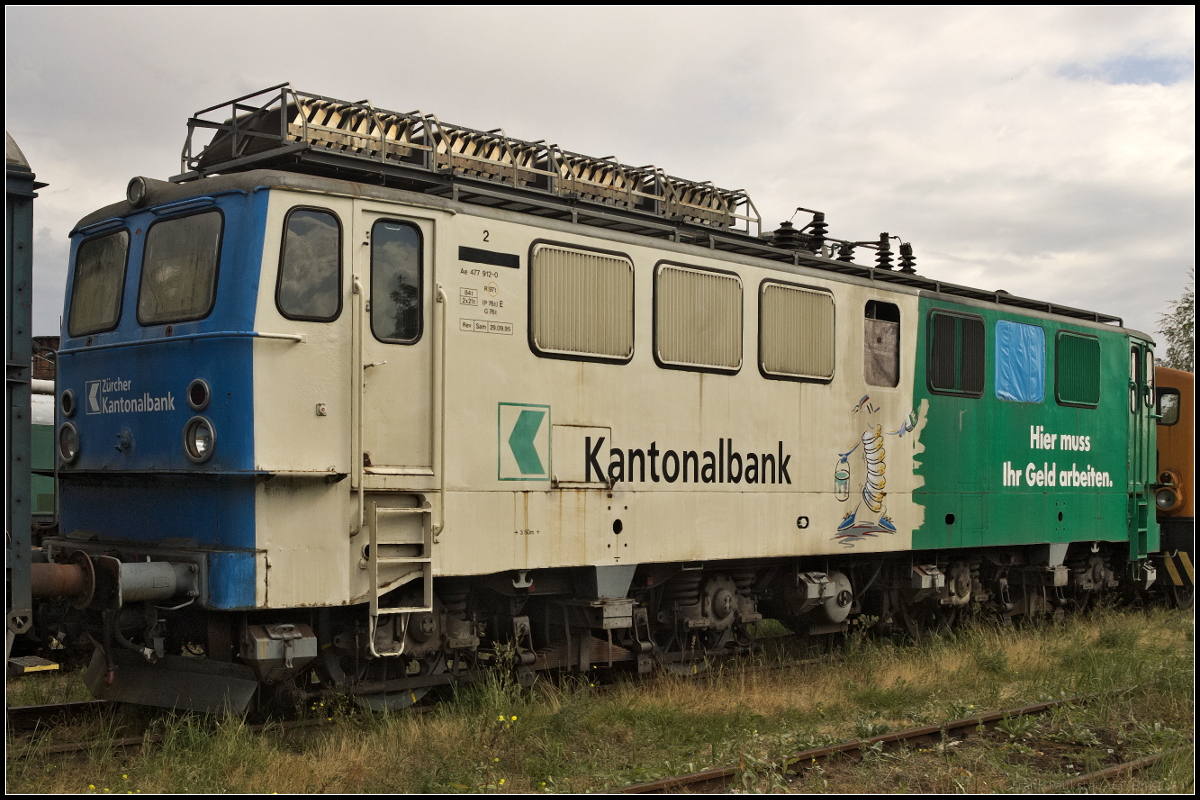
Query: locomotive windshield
{"points": [[99, 279], [179, 269]]}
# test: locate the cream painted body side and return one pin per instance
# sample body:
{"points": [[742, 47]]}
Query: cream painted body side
{"points": [[484, 365], [640, 404], [303, 513]]}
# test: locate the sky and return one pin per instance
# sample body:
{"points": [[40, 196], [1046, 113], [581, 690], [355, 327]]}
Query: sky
{"points": [[1048, 152]]}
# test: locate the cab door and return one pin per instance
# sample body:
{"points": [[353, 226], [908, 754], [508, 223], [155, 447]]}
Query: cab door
{"points": [[395, 349]]}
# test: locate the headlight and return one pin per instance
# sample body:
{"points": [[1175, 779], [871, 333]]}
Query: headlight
{"points": [[135, 192], [198, 394], [1168, 499], [199, 439], [67, 403], [68, 442]]}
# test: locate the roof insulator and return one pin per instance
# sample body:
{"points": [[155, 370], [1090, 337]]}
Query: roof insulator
{"points": [[908, 262], [817, 230], [845, 252], [884, 257], [787, 237]]}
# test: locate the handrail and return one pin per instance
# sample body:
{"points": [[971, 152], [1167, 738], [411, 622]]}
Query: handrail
{"points": [[299, 338]]}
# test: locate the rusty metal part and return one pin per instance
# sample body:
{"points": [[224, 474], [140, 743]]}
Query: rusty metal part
{"points": [[805, 759], [1119, 769], [74, 580]]}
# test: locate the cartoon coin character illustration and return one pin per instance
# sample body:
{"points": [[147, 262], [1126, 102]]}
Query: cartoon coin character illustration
{"points": [[869, 517]]}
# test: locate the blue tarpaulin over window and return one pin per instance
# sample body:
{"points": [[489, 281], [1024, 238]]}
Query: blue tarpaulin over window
{"points": [[1020, 362]]}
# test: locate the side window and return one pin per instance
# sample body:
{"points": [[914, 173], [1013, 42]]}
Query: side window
{"points": [[98, 285], [395, 282], [1135, 376], [1077, 369], [1148, 381], [795, 331], [956, 354], [581, 303], [881, 343], [697, 318], [1020, 362], [179, 269], [1168, 406], [310, 266]]}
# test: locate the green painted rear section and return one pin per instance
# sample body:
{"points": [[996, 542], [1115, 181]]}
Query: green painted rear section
{"points": [[42, 458], [967, 442]]}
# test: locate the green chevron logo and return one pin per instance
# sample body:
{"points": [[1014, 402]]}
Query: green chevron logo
{"points": [[523, 442]]}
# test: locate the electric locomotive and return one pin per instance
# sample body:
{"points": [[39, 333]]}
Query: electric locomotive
{"points": [[361, 399]]}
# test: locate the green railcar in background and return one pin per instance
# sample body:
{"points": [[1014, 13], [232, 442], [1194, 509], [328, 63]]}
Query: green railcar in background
{"points": [[42, 486]]}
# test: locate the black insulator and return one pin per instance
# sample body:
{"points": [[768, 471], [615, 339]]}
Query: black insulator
{"points": [[884, 257], [787, 237], [845, 252], [817, 230], [908, 262]]}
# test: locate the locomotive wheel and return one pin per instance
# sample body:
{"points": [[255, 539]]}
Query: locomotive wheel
{"points": [[1183, 597], [404, 698]]}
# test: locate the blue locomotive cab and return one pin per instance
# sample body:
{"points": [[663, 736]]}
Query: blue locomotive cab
{"points": [[155, 432]]}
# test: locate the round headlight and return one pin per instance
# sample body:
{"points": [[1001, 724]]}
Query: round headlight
{"points": [[135, 192], [198, 394], [68, 442], [1167, 499], [199, 439], [67, 403]]}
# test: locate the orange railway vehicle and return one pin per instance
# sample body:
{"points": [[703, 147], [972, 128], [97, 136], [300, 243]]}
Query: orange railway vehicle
{"points": [[1176, 494]]}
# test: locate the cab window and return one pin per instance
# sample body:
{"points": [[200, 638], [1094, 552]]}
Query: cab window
{"points": [[98, 285], [179, 269], [310, 266], [1168, 406]]}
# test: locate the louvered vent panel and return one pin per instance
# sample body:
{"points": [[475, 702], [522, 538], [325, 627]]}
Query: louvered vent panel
{"points": [[698, 318], [1077, 369], [797, 332], [582, 303]]}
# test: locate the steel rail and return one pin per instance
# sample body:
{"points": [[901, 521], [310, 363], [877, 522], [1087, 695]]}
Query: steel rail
{"points": [[807, 758], [1119, 769], [30, 717], [154, 738]]}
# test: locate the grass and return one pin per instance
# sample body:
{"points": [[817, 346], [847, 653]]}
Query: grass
{"points": [[573, 737], [40, 689]]}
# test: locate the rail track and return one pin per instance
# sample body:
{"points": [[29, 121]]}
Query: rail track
{"points": [[716, 780], [31, 719], [27, 718]]}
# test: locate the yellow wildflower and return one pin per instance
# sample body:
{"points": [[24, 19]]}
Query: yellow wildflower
{"points": [[514, 719]]}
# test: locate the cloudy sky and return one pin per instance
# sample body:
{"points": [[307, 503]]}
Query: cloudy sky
{"points": [[1048, 152]]}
